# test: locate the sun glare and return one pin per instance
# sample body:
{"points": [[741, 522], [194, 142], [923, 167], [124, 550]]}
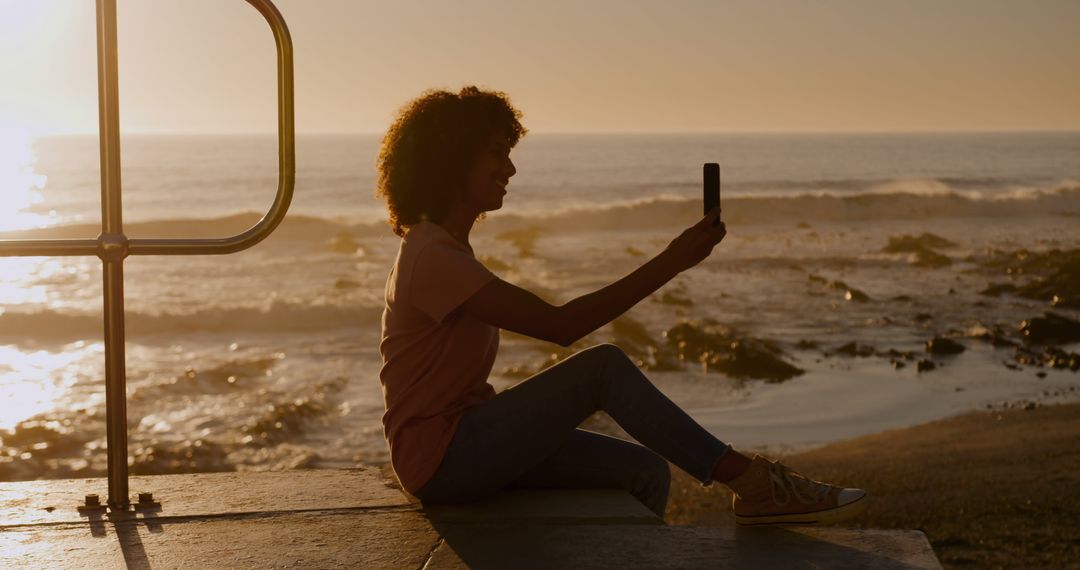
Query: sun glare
{"points": [[16, 275], [20, 185], [31, 382]]}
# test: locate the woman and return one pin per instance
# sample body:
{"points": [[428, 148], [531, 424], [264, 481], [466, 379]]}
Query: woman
{"points": [[443, 163]]}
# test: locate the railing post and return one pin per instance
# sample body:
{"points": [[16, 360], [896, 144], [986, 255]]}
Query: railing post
{"points": [[112, 250], [112, 246]]}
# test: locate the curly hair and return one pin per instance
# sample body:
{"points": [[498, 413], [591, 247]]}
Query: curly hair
{"points": [[433, 143]]}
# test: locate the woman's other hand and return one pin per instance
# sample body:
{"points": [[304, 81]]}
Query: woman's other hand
{"points": [[697, 242]]}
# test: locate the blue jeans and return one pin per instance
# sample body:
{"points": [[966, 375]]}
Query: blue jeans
{"points": [[527, 436]]}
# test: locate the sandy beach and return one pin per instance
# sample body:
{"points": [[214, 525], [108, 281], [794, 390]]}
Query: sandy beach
{"points": [[991, 489]]}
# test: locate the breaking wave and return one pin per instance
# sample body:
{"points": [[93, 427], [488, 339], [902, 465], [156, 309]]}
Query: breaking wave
{"points": [[884, 200], [891, 201], [278, 317]]}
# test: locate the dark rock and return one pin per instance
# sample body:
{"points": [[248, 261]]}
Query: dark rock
{"points": [[1001, 342], [1026, 357], [925, 365], [908, 243], [1051, 356], [1056, 274], [997, 289], [856, 295], [994, 335], [850, 293], [806, 345], [726, 350], [898, 364], [1061, 289], [1050, 328], [855, 349], [640, 346], [1041, 374], [923, 317], [839, 285], [897, 354], [942, 345], [923, 257], [1058, 358]]}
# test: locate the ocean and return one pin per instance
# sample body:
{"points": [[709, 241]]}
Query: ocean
{"points": [[846, 254]]}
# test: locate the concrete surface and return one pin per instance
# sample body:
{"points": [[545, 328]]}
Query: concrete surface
{"points": [[564, 507], [355, 519], [29, 502], [622, 546]]}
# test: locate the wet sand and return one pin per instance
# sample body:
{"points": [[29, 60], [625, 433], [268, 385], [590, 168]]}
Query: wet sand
{"points": [[991, 489]]}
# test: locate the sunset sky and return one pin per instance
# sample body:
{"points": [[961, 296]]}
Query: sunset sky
{"points": [[595, 66]]}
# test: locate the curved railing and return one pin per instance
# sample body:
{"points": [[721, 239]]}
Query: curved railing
{"points": [[112, 246]]}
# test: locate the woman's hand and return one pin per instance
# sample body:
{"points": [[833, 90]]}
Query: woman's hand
{"points": [[697, 242]]}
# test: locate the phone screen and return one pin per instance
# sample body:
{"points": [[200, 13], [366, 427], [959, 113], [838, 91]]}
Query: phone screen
{"points": [[712, 186]]}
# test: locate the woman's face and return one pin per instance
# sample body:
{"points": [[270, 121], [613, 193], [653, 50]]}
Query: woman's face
{"points": [[486, 184]]}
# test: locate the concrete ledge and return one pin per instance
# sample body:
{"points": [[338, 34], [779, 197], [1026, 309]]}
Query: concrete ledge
{"points": [[328, 539], [353, 518], [207, 494], [622, 546], [576, 506]]}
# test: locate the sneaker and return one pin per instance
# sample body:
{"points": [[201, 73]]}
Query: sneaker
{"points": [[770, 493]]}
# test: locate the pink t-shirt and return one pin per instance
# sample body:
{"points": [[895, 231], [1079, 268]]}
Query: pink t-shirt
{"points": [[436, 359]]}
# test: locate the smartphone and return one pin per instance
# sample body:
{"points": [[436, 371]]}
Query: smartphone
{"points": [[712, 186]]}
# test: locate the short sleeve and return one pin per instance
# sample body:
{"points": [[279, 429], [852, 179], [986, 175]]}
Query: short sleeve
{"points": [[443, 278]]}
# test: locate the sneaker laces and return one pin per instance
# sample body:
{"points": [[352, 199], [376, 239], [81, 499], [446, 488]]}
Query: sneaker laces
{"points": [[792, 484]]}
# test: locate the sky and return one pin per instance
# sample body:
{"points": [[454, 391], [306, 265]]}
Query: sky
{"points": [[571, 66]]}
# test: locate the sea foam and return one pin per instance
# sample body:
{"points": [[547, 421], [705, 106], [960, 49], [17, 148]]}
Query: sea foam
{"points": [[888, 200], [278, 316]]}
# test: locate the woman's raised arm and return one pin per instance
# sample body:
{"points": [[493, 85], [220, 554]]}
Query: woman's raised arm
{"points": [[512, 308]]}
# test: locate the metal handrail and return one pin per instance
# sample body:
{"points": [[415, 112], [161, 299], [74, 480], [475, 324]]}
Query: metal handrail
{"points": [[112, 246], [200, 246]]}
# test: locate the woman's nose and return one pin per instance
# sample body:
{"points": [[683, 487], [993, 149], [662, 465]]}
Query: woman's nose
{"points": [[509, 168]]}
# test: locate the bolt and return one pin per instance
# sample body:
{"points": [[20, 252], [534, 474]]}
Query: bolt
{"points": [[146, 498], [92, 500]]}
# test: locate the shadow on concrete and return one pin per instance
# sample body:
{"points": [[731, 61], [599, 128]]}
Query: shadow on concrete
{"points": [[538, 545], [96, 521], [126, 526], [782, 547], [127, 534]]}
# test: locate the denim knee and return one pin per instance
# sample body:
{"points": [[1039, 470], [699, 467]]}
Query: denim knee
{"points": [[606, 352]]}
